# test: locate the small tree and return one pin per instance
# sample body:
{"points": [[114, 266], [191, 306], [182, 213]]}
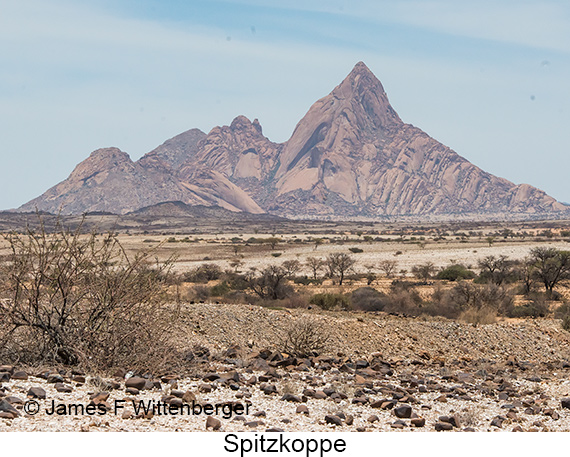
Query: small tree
{"points": [[270, 284], [318, 242], [316, 265], [272, 241], [339, 265], [424, 271], [291, 267], [550, 266], [495, 269], [388, 267]]}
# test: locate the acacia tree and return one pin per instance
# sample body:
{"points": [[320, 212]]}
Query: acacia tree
{"points": [[424, 271], [291, 267], [271, 282], [388, 267], [495, 269], [316, 265], [550, 266], [339, 265]]}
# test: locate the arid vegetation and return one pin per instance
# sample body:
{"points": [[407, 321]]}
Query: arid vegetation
{"points": [[78, 299]]}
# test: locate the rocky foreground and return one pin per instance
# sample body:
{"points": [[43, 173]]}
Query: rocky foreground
{"points": [[379, 373]]}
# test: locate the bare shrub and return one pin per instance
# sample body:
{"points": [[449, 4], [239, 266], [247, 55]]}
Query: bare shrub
{"points": [[424, 271], [203, 273], [479, 316], [388, 267], [304, 337], [368, 299], [536, 307], [330, 301], [201, 293], [478, 304], [81, 300], [566, 323]]}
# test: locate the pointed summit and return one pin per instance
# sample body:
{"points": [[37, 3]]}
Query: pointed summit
{"points": [[355, 109]]}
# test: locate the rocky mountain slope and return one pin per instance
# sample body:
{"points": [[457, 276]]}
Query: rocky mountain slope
{"points": [[350, 156]]}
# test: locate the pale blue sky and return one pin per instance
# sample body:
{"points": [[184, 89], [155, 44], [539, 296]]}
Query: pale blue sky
{"points": [[488, 78]]}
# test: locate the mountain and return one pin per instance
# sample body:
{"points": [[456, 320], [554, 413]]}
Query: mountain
{"points": [[350, 156]]}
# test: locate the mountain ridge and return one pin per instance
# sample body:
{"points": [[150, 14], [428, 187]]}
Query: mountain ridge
{"points": [[350, 156]]}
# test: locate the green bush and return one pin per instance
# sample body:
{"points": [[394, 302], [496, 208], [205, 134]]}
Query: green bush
{"points": [[455, 272], [219, 290], [328, 301]]}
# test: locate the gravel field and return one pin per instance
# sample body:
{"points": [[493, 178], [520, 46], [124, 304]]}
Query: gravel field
{"points": [[378, 373]]}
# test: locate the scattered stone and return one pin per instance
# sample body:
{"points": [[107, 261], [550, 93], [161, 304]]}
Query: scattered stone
{"points": [[54, 378], [498, 421], [132, 391], [349, 420], [443, 426], [20, 375], [211, 377], [213, 423], [418, 422], [403, 412], [7, 408], [291, 398], [37, 392], [4, 376], [275, 429], [329, 391], [373, 418], [552, 413], [566, 403], [188, 397], [136, 382], [453, 420], [302, 409], [333, 419], [63, 388]]}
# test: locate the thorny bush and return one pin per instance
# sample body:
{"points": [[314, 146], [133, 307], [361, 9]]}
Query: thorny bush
{"points": [[79, 299]]}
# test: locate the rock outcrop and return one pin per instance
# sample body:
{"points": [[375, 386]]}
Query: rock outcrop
{"points": [[350, 156]]}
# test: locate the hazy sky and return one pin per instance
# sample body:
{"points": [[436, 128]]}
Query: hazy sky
{"points": [[488, 78]]}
